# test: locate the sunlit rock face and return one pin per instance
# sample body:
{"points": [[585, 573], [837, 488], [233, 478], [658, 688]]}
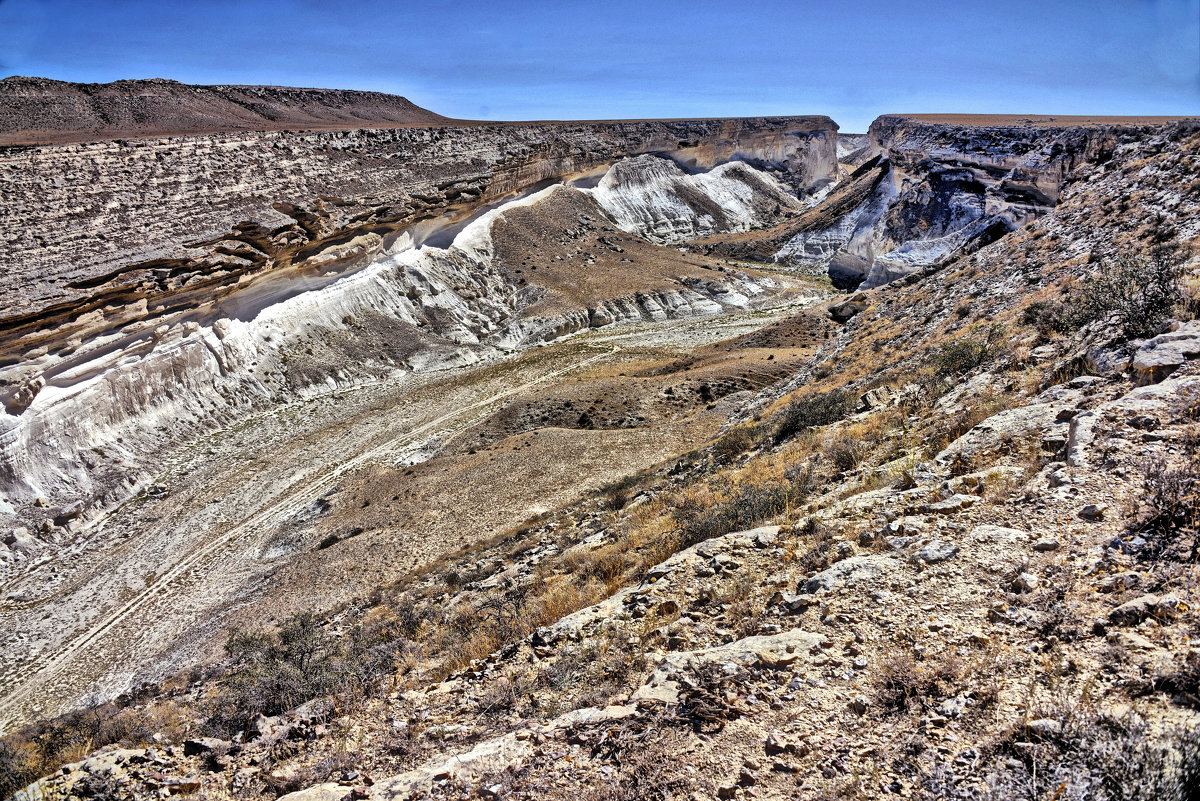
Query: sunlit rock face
{"points": [[111, 363], [656, 198], [949, 190]]}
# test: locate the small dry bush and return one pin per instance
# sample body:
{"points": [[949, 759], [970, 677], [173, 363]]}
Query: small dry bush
{"points": [[818, 410], [964, 355], [1092, 758], [847, 454], [903, 682], [811, 545], [1167, 514], [41, 748], [736, 441]]}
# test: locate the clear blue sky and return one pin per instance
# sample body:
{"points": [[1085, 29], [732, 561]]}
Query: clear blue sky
{"points": [[566, 59]]}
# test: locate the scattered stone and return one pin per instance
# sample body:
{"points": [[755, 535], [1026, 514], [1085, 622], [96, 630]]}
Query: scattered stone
{"points": [[1026, 582], [1133, 612], [1120, 581], [955, 503], [204, 745], [777, 743], [1046, 544], [936, 551], [1044, 727], [853, 570]]}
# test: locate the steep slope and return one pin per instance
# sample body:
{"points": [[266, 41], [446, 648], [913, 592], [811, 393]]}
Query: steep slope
{"points": [[38, 111]]}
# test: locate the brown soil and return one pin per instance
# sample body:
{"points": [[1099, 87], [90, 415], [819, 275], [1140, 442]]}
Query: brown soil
{"points": [[42, 111]]}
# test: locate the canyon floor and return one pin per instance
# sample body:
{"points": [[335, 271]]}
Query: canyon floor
{"points": [[211, 544]]}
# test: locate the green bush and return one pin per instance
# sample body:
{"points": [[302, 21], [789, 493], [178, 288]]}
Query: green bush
{"points": [[735, 442], [272, 673], [741, 507], [847, 454], [966, 354]]}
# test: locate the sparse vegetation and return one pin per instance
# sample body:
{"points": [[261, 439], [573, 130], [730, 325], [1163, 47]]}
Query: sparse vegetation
{"points": [[733, 507], [818, 410], [1134, 295], [1167, 515], [968, 353]]}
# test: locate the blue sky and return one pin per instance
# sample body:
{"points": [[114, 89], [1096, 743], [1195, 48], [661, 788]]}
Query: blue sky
{"points": [[564, 59]]}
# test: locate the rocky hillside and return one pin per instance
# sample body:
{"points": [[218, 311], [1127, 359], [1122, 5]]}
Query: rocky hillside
{"points": [[935, 538], [43, 111]]}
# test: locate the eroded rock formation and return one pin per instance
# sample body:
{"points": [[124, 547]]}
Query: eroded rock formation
{"points": [[160, 287]]}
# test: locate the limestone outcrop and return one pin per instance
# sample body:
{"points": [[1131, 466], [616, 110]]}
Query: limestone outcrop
{"points": [[952, 186], [161, 287]]}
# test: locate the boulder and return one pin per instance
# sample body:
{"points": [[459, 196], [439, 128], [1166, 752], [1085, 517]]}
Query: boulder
{"points": [[936, 551], [1157, 358], [22, 543], [849, 571], [841, 312]]}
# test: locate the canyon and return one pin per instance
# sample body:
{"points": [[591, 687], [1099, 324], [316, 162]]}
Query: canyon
{"points": [[267, 363]]}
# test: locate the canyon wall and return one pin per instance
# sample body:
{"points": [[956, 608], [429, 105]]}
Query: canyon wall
{"points": [[157, 288], [953, 185]]}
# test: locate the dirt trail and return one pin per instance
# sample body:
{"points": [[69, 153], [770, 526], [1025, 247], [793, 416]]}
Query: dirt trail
{"points": [[158, 575]]}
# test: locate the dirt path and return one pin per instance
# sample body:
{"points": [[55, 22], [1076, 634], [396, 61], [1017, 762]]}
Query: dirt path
{"points": [[158, 572]]}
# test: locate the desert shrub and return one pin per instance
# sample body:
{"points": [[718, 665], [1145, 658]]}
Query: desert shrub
{"points": [[274, 672], [1047, 317], [903, 682], [1091, 757], [20, 765], [966, 354], [811, 546], [42, 747], [847, 454], [620, 492], [1168, 511], [735, 442], [818, 410], [1136, 296], [739, 506]]}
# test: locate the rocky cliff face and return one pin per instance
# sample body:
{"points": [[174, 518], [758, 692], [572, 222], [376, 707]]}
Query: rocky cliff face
{"points": [[953, 185], [160, 287]]}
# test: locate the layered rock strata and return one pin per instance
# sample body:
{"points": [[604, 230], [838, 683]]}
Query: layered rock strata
{"points": [[107, 366], [41, 110], [953, 186]]}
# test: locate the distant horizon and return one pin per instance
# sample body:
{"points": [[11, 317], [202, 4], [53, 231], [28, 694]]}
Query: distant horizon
{"points": [[568, 60]]}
